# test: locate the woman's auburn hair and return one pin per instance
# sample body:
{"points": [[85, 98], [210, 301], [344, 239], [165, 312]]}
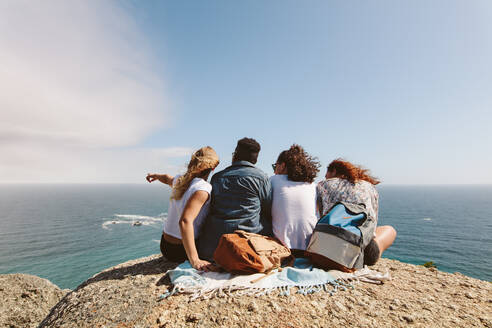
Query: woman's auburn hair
{"points": [[353, 173], [301, 166], [202, 162]]}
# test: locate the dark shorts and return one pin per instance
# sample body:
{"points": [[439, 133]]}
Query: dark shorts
{"points": [[298, 253], [173, 252], [371, 253]]}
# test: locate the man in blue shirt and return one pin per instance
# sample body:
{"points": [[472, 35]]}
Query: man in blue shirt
{"points": [[241, 199]]}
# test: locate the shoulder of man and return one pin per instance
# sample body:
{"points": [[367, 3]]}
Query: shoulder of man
{"points": [[258, 174], [245, 170], [249, 172]]}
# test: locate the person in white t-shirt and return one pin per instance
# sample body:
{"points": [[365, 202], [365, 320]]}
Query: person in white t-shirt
{"points": [[294, 213], [188, 207]]}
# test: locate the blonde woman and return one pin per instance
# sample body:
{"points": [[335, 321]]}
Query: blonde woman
{"points": [[188, 207]]}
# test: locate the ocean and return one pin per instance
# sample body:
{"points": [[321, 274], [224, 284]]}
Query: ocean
{"points": [[66, 232]]}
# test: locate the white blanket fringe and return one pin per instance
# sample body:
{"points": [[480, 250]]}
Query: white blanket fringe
{"points": [[364, 275], [227, 285]]}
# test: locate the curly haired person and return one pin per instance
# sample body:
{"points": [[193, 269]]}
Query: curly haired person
{"points": [[294, 214]]}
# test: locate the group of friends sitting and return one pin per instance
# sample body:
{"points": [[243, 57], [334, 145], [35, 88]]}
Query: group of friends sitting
{"points": [[242, 197]]}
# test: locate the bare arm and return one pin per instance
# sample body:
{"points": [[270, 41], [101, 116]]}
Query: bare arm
{"points": [[190, 212], [164, 178]]}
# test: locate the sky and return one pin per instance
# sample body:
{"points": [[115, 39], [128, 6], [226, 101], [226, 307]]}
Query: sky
{"points": [[107, 91]]}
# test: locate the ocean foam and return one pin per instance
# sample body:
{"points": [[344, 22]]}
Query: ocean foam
{"points": [[140, 217], [131, 219]]}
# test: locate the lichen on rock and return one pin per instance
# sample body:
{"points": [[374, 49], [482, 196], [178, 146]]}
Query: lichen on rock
{"points": [[128, 296], [26, 299]]}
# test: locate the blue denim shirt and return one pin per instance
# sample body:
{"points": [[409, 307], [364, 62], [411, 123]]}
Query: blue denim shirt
{"points": [[241, 199]]}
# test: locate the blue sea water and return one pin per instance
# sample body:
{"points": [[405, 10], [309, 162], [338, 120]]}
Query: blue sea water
{"points": [[67, 233]]}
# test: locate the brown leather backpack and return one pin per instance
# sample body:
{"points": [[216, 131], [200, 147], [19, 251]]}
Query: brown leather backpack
{"points": [[246, 253]]}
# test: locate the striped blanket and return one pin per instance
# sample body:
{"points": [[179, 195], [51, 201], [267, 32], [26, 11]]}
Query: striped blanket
{"points": [[302, 275]]}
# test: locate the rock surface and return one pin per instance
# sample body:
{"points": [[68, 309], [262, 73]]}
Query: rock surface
{"points": [[127, 296], [26, 299]]}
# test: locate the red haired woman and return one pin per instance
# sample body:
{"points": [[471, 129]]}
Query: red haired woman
{"points": [[351, 183]]}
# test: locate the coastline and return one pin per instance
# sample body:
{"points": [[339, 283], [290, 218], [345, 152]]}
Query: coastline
{"points": [[429, 221], [126, 295]]}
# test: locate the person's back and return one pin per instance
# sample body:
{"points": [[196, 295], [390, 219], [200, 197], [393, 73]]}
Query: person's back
{"points": [[294, 198], [241, 199], [188, 206], [177, 206], [352, 184], [334, 189], [293, 211], [237, 193]]}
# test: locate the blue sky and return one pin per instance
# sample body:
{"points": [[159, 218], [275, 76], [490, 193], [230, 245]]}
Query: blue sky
{"points": [[403, 88]]}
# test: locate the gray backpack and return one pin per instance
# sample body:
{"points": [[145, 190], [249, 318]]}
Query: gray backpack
{"points": [[340, 237]]}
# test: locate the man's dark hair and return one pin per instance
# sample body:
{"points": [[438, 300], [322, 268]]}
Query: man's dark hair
{"points": [[247, 149]]}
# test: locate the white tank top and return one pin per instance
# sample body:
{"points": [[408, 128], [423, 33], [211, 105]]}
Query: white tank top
{"points": [[176, 207]]}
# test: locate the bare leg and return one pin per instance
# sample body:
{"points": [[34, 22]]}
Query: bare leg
{"points": [[385, 236]]}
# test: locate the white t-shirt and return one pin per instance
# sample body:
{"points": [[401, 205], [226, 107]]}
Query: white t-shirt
{"points": [[293, 211], [176, 207]]}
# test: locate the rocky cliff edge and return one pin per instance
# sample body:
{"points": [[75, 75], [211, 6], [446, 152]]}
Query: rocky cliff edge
{"points": [[127, 295]]}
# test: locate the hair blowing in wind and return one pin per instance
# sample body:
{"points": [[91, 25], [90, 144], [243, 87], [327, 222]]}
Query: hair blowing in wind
{"points": [[202, 162], [351, 172]]}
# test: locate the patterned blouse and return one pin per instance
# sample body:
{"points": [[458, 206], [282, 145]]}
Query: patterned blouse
{"points": [[335, 190]]}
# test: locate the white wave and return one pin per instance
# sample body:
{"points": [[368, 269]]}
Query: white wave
{"points": [[106, 224], [133, 219], [427, 219], [156, 240], [138, 217]]}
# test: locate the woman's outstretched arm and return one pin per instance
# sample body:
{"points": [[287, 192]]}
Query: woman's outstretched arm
{"points": [[190, 212], [164, 178]]}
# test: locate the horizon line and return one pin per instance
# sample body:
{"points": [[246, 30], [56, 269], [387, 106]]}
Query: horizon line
{"points": [[144, 183]]}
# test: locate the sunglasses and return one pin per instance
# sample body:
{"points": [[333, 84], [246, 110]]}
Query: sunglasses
{"points": [[274, 166]]}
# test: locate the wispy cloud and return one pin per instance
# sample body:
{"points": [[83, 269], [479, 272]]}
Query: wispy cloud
{"points": [[78, 165], [76, 77]]}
